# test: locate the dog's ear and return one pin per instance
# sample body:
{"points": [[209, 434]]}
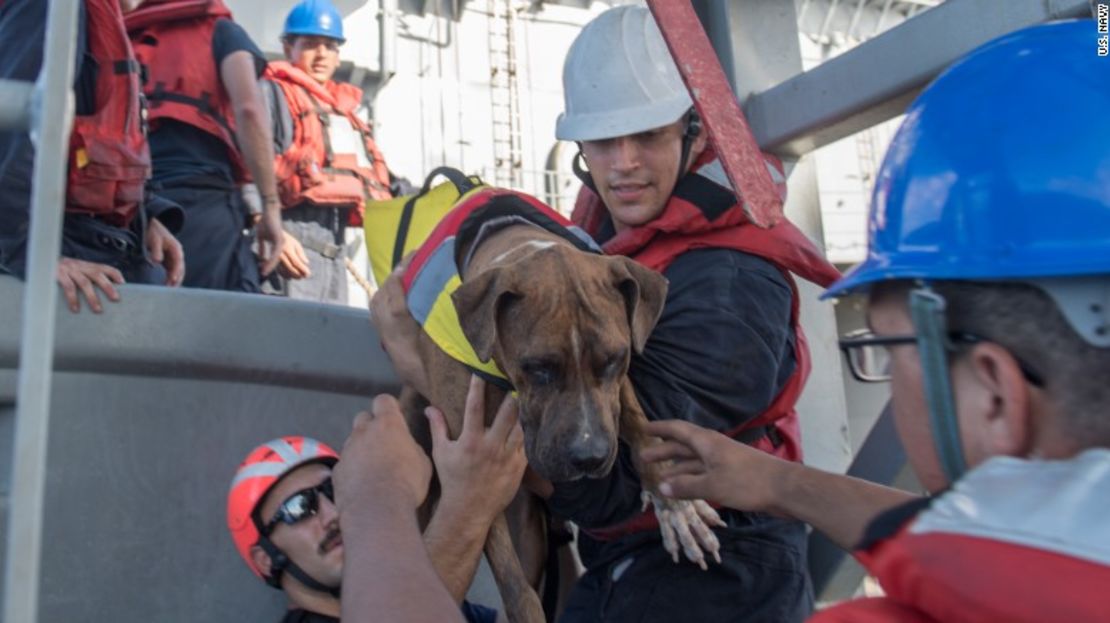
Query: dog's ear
{"points": [[644, 292], [478, 301]]}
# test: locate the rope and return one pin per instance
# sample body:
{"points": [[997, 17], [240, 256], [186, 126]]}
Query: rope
{"points": [[362, 281]]}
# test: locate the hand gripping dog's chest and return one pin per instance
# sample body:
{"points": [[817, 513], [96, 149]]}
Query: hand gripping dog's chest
{"points": [[435, 271]]}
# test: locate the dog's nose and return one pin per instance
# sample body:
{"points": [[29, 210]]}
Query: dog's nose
{"points": [[588, 453]]}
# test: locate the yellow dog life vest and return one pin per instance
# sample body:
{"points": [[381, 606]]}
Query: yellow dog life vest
{"points": [[396, 227]]}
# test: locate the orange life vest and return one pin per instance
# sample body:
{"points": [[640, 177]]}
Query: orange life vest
{"points": [[109, 159], [704, 213], [309, 171], [173, 40]]}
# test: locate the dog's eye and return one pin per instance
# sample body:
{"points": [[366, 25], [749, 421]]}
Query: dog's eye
{"points": [[541, 376], [613, 364], [539, 373]]}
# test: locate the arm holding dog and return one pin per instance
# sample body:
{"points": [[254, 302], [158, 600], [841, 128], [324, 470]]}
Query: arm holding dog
{"points": [[707, 465], [398, 330], [479, 474], [379, 483], [680, 524]]}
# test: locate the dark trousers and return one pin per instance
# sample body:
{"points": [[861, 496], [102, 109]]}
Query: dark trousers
{"points": [[85, 238], [216, 238], [761, 580]]}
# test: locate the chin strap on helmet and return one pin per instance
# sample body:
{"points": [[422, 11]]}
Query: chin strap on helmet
{"points": [[280, 563], [927, 312], [580, 171], [689, 135]]}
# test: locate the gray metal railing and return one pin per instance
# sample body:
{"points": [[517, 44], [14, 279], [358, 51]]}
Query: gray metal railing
{"points": [[155, 401], [50, 118], [875, 81]]}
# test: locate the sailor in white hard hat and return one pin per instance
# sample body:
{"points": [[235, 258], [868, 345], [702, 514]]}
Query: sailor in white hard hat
{"points": [[727, 352]]}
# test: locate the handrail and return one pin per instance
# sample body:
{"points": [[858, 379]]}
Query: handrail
{"points": [[51, 118], [208, 335]]}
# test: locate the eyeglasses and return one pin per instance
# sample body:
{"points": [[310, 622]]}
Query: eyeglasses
{"points": [[869, 355], [300, 506]]}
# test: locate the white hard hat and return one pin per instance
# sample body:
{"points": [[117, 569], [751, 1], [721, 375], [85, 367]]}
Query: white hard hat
{"points": [[619, 79]]}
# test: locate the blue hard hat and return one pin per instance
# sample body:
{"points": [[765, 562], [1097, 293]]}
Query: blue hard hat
{"points": [[314, 17], [1001, 169]]}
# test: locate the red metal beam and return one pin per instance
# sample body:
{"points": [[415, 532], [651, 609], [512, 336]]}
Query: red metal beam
{"points": [[720, 113]]}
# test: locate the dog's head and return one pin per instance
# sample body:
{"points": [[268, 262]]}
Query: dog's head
{"points": [[563, 324]]}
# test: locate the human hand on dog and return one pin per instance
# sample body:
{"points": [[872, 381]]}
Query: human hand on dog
{"points": [[480, 471], [398, 330], [381, 464], [700, 463], [684, 525]]}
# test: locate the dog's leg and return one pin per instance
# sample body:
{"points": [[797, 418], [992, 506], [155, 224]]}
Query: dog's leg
{"points": [[522, 605], [514, 545], [682, 523], [527, 521], [412, 406]]}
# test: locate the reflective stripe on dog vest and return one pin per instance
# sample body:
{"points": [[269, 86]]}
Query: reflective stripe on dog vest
{"points": [[435, 272]]}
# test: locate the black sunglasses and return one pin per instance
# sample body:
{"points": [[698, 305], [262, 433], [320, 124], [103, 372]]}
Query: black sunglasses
{"points": [[300, 506], [869, 360]]}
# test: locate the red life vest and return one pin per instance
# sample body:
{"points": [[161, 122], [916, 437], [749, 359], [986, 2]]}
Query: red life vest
{"points": [[309, 171], [703, 213], [109, 159], [1015, 540], [173, 40]]}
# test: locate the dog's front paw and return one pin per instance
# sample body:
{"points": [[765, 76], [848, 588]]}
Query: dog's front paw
{"points": [[686, 523]]}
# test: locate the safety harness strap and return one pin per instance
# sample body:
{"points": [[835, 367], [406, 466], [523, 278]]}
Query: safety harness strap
{"points": [[204, 104], [464, 185]]}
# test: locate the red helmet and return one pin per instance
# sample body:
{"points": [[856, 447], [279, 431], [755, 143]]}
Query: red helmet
{"points": [[257, 474]]}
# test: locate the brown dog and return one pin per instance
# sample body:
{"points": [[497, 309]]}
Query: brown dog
{"points": [[562, 325]]}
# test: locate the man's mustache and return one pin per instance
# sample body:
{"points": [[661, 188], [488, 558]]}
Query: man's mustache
{"points": [[330, 538]]}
